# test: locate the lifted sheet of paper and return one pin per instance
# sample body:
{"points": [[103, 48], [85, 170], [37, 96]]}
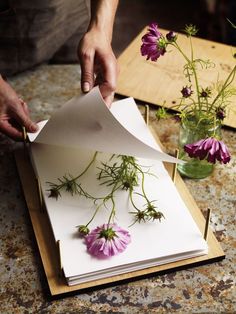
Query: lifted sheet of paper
{"points": [[87, 122]]}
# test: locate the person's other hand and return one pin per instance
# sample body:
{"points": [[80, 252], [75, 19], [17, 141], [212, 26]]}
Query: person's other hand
{"points": [[98, 64], [13, 113]]}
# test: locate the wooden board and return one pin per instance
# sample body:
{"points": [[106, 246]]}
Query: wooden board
{"points": [[49, 251], [160, 82]]}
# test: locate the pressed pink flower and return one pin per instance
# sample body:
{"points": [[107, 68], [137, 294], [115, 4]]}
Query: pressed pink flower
{"points": [[154, 43], [209, 148], [107, 240]]}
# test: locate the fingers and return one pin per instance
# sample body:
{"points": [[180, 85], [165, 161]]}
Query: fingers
{"points": [[20, 113], [107, 78], [25, 121], [11, 131], [14, 113], [87, 70], [109, 99], [24, 106], [97, 58], [11, 122]]}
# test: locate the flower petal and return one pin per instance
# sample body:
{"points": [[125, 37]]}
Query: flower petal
{"points": [[100, 246], [209, 148], [224, 155], [153, 43]]}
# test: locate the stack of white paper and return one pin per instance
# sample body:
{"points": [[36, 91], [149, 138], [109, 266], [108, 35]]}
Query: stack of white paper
{"points": [[66, 144]]}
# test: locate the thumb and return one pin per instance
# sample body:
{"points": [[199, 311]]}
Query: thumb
{"points": [[87, 72]]}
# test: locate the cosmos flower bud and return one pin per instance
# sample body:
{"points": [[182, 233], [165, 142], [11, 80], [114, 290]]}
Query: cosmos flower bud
{"points": [[186, 91], [205, 93], [190, 30], [171, 36], [156, 215], [140, 216], [220, 113], [83, 230], [54, 193]]}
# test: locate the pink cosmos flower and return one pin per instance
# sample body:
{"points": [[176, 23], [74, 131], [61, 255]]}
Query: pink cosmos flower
{"points": [[209, 148], [154, 43], [107, 240]]}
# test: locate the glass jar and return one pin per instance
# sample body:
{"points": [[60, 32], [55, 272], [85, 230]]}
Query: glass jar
{"points": [[192, 131]]}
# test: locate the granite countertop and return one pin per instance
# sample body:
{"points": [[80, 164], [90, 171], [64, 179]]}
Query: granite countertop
{"points": [[205, 289]]}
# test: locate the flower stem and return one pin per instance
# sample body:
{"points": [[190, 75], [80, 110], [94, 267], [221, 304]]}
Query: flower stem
{"points": [[228, 81], [113, 203], [195, 74], [191, 66], [131, 199], [94, 214], [66, 181], [143, 179], [88, 166]]}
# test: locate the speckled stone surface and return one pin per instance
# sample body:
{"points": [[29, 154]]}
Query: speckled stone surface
{"points": [[205, 289]]}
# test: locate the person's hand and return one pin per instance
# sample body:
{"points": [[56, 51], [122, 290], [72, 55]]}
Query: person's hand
{"points": [[98, 64], [13, 113]]}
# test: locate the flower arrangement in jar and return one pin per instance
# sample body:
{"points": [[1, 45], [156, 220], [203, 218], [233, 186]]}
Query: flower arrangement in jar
{"points": [[202, 109]]}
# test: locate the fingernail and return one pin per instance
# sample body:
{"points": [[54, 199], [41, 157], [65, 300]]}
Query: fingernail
{"points": [[86, 87]]}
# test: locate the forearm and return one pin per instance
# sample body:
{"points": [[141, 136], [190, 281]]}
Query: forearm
{"points": [[102, 16]]}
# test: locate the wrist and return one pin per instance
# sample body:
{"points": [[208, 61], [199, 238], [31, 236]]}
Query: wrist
{"points": [[102, 17], [99, 35]]}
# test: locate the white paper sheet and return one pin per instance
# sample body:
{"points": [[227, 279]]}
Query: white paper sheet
{"points": [[86, 122], [176, 237], [89, 125]]}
